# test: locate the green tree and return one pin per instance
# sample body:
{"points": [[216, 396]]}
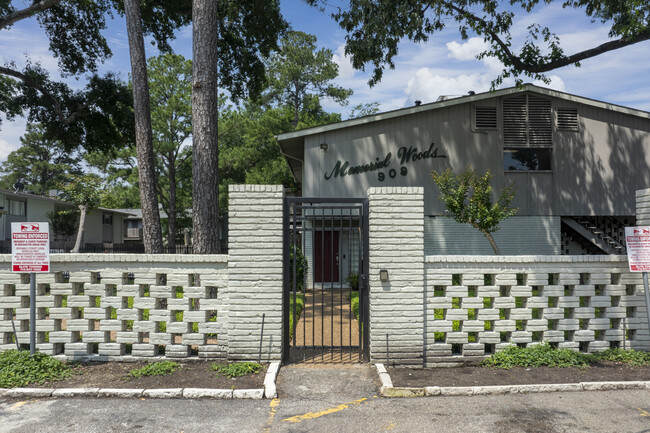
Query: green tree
{"points": [[298, 72], [362, 110], [85, 192], [468, 199], [40, 163], [170, 83], [375, 28]]}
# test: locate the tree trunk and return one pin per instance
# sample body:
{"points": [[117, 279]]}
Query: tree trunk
{"points": [[171, 213], [152, 232], [489, 237], [82, 227], [205, 115]]}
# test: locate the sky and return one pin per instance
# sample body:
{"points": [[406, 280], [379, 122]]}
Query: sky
{"points": [[445, 65]]}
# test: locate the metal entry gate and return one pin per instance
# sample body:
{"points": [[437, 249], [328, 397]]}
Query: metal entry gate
{"points": [[325, 279]]}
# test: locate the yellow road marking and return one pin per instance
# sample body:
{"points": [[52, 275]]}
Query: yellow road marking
{"points": [[390, 426], [273, 405], [643, 412], [17, 405], [314, 415]]}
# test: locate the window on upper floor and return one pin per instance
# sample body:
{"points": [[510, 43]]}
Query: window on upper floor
{"points": [[107, 218], [527, 133]]}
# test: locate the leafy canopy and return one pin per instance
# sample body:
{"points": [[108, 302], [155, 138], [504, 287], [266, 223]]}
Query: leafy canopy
{"points": [[468, 199], [376, 27]]}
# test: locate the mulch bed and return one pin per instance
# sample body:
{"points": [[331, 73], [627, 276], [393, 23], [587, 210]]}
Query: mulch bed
{"points": [[485, 376], [193, 374]]}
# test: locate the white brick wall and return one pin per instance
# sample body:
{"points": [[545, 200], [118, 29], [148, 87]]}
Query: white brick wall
{"points": [[100, 311], [255, 271], [396, 243]]}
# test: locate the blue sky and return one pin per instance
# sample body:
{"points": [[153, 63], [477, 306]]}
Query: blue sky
{"points": [[445, 65]]}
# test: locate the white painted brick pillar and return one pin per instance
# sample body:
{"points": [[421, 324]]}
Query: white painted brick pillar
{"points": [[255, 271], [396, 243], [643, 207]]}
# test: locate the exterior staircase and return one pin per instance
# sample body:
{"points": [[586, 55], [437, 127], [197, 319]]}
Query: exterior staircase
{"points": [[605, 233]]}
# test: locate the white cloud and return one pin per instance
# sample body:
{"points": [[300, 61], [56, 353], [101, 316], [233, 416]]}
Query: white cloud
{"points": [[467, 50], [346, 71], [428, 86], [10, 133]]}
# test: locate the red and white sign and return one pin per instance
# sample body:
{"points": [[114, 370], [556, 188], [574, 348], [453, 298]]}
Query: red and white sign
{"points": [[638, 248], [30, 247]]}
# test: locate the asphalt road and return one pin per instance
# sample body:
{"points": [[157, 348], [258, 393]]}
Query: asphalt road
{"points": [[341, 399]]}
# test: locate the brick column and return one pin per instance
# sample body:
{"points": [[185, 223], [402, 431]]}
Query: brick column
{"points": [[643, 207], [255, 271], [396, 220]]}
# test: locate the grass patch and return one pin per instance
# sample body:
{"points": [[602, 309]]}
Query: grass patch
{"points": [[237, 369], [300, 304], [160, 368], [19, 368]]}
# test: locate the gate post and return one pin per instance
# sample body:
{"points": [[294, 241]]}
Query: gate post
{"points": [[396, 241], [255, 271]]}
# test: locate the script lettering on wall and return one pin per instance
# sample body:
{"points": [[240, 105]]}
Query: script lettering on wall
{"points": [[405, 155]]}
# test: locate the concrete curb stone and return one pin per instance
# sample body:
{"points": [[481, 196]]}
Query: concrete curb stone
{"points": [[270, 390], [120, 392], [207, 393], [29, 392], [163, 393], [75, 392], [255, 394], [388, 390]]}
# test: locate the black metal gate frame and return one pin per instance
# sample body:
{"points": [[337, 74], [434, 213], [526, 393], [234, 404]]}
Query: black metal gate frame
{"points": [[362, 204]]}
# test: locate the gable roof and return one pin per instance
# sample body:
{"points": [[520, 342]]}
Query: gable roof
{"points": [[292, 143]]}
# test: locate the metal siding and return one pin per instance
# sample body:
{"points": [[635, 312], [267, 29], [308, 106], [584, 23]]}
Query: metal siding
{"points": [[539, 235]]}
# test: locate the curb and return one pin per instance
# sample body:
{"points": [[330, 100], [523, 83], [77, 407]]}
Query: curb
{"points": [[388, 390], [269, 391]]}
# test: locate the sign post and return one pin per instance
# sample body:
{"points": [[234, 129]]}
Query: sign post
{"points": [[638, 256], [30, 252]]}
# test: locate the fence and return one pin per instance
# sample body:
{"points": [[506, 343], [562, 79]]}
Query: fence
{"points": [[430, 309]]}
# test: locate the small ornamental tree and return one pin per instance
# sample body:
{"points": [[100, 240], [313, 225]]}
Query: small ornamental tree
{"points": [[85, 192], [468, 199]]}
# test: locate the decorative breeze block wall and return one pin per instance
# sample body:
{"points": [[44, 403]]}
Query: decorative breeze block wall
{"points": [[476, 305], [121, 305]]}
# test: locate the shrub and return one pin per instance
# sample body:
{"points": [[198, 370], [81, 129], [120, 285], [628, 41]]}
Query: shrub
{"points": [[631, 357], [354, 303], [237, 369], [300, 304], [301, 268], [19, 368], [161, 368], [541, 355], [353, 280]]}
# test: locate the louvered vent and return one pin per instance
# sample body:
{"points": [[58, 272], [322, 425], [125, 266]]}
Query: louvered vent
{"points": [[486, 118], [540, 122], [514, 121], [567, 119]]}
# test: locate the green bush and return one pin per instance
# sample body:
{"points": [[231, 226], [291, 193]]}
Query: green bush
{"points": [[237, 369], [301, 268], [160, 368], [354, 303], [19, 368], [631, 357], [300, 304], [353, 281], [541, 355]]}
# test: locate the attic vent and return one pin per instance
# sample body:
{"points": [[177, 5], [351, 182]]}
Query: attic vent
{"points": [[486, 118], [527, 121], [567, 119]]}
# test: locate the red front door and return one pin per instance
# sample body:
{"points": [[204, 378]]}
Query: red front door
{"points": [[326, 256]]}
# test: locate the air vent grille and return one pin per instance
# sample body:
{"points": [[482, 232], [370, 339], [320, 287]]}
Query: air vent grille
{"points": [[567, 119], [486, 117], [527, 121]]}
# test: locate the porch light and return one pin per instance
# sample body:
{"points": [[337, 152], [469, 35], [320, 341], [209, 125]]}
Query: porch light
{"points": [[323, 146], [383, 275]]}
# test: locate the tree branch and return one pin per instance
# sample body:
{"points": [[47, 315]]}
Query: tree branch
{"points": [[21, 14]]}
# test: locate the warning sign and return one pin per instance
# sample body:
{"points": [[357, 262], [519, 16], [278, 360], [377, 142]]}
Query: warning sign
{"points": [[30, 247], [638, 248]]}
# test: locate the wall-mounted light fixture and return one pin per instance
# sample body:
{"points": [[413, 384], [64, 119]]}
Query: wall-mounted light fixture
{"points": [[383, 275], [323, 146]]}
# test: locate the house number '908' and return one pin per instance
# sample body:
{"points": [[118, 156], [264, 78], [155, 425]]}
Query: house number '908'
{"points": [[391, 173]]}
